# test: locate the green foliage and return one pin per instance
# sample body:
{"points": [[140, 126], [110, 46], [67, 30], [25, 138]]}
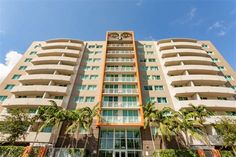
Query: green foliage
{"points": [[15, 124], [175, 153], [34, 152], [11, 151], [226, 153]]}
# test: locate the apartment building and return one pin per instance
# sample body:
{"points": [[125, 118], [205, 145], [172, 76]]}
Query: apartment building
{"points": [[120, 74]]}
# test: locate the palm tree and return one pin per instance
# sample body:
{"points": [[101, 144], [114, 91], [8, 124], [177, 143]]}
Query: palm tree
{"points": [[191, 127]]}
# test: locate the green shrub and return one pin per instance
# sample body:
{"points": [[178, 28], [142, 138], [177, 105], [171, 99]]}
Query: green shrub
{"points": [[226, 153], [12, 151], [175, 153]]}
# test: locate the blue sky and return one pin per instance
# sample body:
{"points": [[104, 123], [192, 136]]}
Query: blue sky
{"points": [[23, 21]]}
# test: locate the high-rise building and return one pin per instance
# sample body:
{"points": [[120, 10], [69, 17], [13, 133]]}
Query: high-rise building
{"points": [[120, 74]]}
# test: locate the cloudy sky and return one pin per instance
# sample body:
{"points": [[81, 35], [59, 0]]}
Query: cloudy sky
{"points": [[24, 21]]}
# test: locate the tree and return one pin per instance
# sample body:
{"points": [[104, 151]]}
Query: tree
{"points": [[226, 128], [16, 124]]}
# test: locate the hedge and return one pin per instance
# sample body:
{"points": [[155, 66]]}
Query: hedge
{"points": [[226, 153], [12, 151], [175, 153]]}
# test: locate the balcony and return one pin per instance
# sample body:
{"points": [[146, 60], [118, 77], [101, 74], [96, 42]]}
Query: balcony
{"points": [[42, 137], [206, 79], [192, 52], [121, 119], [54, 60], [208, 90], [29, 102], [120, 91], [120, 46], [37, 78], [221, 105], [59, 52], [120, 53], [182, 44], [120, 70], [120, 105], [125, 61], [187, 59], [63, 69], [198, 69], [55, 45], [39, 89], [120, 79]]}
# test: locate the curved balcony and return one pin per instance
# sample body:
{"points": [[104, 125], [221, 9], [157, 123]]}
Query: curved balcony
{"points": [[39, 89], [192, 52], [176, 40], [182, 79], [65, 69], [121, 79], [29, 102], [54, 60], [58, 52], [187, 59], [64, 40], [222, 105], [207, 90], [44, 78], [182, 44], [59, 44], [120, 91], [197, 68]]}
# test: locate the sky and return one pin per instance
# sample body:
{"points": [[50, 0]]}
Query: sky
{"points": [[24, 21]]}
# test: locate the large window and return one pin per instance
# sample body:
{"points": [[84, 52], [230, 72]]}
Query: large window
{"points": [[16, 77], [161, 100], [2, 98], [9, 87], [22, 67]]}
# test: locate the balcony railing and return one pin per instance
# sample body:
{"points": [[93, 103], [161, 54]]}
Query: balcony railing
{"points": [[120, 60], [119, 69], [120, 45], [120, 91], [120, 52], [120, 79], [120, 104], [120, 119]]}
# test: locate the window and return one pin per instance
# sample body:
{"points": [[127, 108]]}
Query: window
{"points": [[96, 59], [92, 87], [148, 88], [2, 98], [89, 60], [98, 52], [143, 60], [161, 100], [204, 45], [16, 77], [150, 99], [22, 67], [89, 99], [221, 98], [160, 87], [153, 68], [39, 96], [155, 77], [203, 98], [209, 52], [9, 87], [28, 59], [234, 88], [85, 68], [151, 60], [99, 46], [84, 77], [47, 129], [91, 46], [36, 46], [93, 77], [228, 77], [89, 52], [95, 67], [140, 46], [144, 68], [214, 59], [59, 97], [22, 96], [81, 87], [182, 98], [149, 52], [79, 99], [148, 46], [221, 68], [33, 52]]}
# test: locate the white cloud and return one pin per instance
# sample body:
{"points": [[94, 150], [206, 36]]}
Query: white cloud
{"points": [[11, 58], [221, 33], [188, 18], [221, 28], [217, 24], [192, 13]]}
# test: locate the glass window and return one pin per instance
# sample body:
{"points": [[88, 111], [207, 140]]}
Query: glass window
{"points": [[84, 77], [148, 88], [93, 77], [203, 98], [2, 98], [47, 129], [89, 99], [86, 68], [149, 52], [156, 77], [98, 52], [95, 67], [81, 87], [221, 98], [204, 45], [22, 67], [161, 100], [215, 60], [151, 60], [234, 88], [228, 77], [9, 87], [150, 99], [143, 60], [159, 87], [79, 99], [33, 52], [96, 59], [182, 98], [99, 46], [92, 87], [144, 68], [209, 52], [91, 46], [140, 46], [16, 77], [153, 68], [89, 60], [28, 59], [148, 46], [59, 97], [221, 68]]}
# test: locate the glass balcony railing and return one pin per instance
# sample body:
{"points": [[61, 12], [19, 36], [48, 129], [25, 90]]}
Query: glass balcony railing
{"points": [[120, 104], [120, 91], [120, 45], [119, 69], [120, 79], [121, 119], [120, 52], [120, 60]]}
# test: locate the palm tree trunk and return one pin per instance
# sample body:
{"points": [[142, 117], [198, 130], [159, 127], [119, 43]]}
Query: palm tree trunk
{"points": [[153, 142], [233, 148], [187, 139]]}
